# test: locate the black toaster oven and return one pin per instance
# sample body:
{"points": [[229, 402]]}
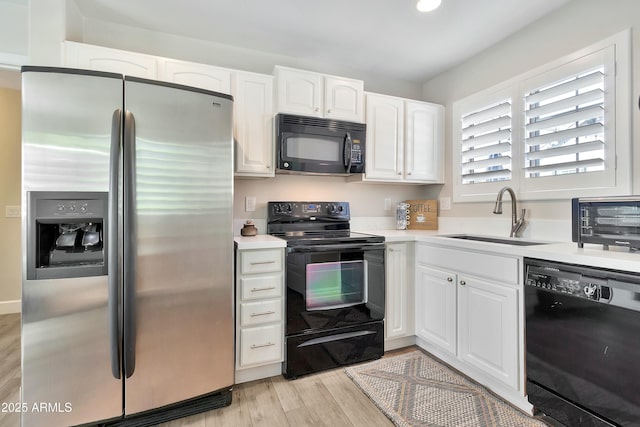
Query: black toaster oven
{"points": [[606, 221]]}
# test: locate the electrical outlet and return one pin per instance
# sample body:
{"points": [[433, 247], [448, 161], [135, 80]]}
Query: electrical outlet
{"points": [[250, 204], [387, 204], [12, 211], [445, 203]]}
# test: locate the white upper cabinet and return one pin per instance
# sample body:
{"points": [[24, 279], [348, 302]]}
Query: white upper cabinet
{"points": [[405, 140], [298, 92], [253, 124], [424, 142], [344, 99], [98, 58], [198, 75], [385, 138], [313, 94]]}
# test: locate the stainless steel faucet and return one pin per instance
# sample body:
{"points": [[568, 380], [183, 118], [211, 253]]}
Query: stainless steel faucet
{"points": [[517, 225]]}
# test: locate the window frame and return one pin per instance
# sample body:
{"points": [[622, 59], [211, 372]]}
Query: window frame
{"points": [[615, 180]]}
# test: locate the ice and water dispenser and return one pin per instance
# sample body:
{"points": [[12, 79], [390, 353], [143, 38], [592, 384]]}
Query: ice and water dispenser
{"points": [[66, 234]]}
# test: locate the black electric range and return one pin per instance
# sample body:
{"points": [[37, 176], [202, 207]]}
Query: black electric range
{"points": [[335, 280]]}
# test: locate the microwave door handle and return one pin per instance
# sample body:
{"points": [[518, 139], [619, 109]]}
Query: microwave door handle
{"points": [[348, 148]]}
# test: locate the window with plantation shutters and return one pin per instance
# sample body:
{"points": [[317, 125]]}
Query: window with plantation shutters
{"points": [[564, 126], [486, 143], [559, 131]]}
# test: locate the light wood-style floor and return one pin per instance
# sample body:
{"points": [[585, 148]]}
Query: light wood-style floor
{"points": [[9, 366], [326, 399]]}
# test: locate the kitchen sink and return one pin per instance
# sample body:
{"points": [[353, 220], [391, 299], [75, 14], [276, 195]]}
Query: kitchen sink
{"points": [[502, 241]]}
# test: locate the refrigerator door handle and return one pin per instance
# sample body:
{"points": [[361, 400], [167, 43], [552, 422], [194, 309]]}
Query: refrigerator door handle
{"points": [[112, 242], [130, 233]]}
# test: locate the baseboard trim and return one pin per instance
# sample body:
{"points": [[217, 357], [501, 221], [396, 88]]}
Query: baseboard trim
{"points": [[10, 307]]}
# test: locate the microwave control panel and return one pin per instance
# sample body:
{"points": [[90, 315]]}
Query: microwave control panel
{"points": [[356, 153]]}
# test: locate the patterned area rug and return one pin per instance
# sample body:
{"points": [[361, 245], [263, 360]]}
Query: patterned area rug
{"points": [[415, 390]]}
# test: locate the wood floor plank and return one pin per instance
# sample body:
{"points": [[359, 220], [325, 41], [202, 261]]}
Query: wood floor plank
{"points": [[360, 410], [236, 414], [9, 366], [289, 398], [319, 401], [264, 405]]}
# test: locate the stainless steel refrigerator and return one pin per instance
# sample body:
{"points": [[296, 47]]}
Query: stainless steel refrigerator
{"points": [[127, 297]]}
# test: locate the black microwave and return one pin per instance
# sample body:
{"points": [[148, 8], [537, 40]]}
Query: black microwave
{"points": [[319, 146]]}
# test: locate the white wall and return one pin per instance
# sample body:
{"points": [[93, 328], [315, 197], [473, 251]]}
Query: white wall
{"points": [[576, 25]]}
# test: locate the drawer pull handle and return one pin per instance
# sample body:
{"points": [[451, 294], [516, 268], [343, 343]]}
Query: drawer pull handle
{"points": [[269, 344], [262, 289], [262, 262], [449, 279], [266, 313]]}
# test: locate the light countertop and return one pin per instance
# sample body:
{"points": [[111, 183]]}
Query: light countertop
{"points": [[591, 255], [261, 241]]}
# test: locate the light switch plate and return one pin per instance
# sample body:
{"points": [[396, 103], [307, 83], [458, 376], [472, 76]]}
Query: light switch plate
{"points": [[12, 211], [250, 204], [445, 203]]}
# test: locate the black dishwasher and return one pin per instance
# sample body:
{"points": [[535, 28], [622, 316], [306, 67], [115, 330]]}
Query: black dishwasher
{"points": [[583, 343]]}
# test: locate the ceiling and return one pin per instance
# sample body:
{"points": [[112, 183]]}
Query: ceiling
{"points": [[382, 37]]}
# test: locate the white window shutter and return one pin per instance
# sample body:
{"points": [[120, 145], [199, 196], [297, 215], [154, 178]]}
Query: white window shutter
{"points": [[564, 125], [485, 151]]}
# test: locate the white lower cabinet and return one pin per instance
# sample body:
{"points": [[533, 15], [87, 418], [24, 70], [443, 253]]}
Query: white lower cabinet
{"points": [[436, 311], [399, 296], [467, 314], [259, 313], [488, 334]]}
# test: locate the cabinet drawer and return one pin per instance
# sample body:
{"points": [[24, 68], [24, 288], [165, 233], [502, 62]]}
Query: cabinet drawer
{"points": [[492, 266], [260, 312], [261, 344], [263, 261], [259, 287]]}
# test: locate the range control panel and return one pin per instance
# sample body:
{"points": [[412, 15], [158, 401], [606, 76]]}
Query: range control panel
{"points": [[309, 210], [569, 283]]}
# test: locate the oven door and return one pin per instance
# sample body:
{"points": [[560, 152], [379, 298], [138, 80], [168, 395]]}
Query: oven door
{"points": [[582, 354], [334, 285]]}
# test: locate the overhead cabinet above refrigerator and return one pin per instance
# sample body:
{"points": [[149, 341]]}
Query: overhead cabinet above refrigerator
{"points": [[128, 248]]}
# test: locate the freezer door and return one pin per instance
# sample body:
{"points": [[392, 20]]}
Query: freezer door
{"points": [[66, 353], [178, 335]]}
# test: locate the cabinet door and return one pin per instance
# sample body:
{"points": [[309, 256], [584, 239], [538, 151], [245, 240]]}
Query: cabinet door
{"points": [[299, 92], [197, 75], [424, 154], [385, 137], [253, 124], [89, 57], [436, 308], [344, 99], [399, 303], [488, 337]]}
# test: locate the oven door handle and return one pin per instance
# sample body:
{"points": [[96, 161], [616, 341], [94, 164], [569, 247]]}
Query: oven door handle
{"points": [[352, 247]]}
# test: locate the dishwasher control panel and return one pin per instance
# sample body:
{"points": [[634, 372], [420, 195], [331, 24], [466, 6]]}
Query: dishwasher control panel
{"points": [[567, 282]]}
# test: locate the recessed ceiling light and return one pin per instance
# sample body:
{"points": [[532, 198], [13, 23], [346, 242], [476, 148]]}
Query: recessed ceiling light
{"points": [[428, 5]]}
